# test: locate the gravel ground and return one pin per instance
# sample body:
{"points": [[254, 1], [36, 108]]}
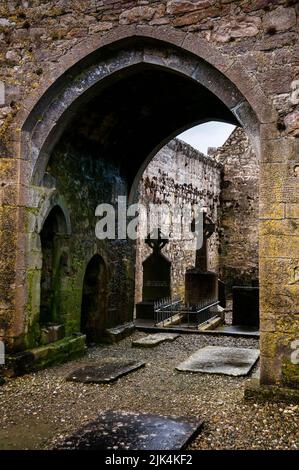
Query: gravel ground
{"points": [[39, 410]]}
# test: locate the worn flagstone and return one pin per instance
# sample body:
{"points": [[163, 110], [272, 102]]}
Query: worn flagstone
{"points": [[150, 341], [221, 360], [105, 372], [122, 430]]}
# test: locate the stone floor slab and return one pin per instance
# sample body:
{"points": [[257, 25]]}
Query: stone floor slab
{"points": [[105, 372], [122, 430], [150, 341], [221, 360]]}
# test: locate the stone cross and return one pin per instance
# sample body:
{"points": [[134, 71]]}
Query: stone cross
{"points": [[156, 244], [201, 261]]}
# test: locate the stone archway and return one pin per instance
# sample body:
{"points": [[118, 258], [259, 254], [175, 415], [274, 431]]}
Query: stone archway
{"points": [[53, 259], [225, 78], [94, 300]]}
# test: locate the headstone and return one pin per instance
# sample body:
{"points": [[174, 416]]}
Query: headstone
{"points": [[125, 430], [221, 293], [201, 284], [156, 271], [245, 306], [150, 341], [105, 372], [156, 277], [221, 360]]}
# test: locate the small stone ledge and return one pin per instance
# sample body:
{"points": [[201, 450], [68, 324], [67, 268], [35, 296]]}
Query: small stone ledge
{"points": [[113, 335], [38, 358], [254, 391]]}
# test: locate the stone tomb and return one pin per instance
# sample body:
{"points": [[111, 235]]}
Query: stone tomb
{"points": [[221, 360], [123, 430], [221, 293], [245, 306], [150, 341], [201, 284], [105, 372]]}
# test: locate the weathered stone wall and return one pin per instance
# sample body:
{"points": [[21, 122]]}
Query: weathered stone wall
{"points": [[230, 193], [238, 212], [248, 45], [35, 35], [78, 181], [180, 175]]}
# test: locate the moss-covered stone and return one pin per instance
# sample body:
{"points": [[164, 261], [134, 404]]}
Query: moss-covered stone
{"points": [[45, 356], [290, 373], [261, 393]]}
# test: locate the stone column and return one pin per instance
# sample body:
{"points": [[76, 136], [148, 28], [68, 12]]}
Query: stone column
{"points": [[279, 261], [11, 253]]}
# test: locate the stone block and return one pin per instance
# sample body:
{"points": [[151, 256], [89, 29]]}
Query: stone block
{"points": [[140, 13], [221, 293], [200, 286], [273, 210], [278, 271], [278, 246], [175, 7], [276, 150], [45, 356], [245, 306], [113, 335], [280, 19], [246, 26], [195, 18], [256, 392], [292, 210], [51, 333], [279, 298], [150, 341], [279, 227]]}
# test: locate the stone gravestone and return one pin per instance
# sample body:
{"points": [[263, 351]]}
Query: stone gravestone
{"points": [[245, 306], [156, 277], [221, 293], [201, 284]]}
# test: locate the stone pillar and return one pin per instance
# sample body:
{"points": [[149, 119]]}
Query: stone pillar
{"points": [[11, 232], [279, 262]]}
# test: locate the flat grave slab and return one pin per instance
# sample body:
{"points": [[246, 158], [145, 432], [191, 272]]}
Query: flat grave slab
{"points": [[105, 372], [221, 360], [150, 341], [122, 430]]}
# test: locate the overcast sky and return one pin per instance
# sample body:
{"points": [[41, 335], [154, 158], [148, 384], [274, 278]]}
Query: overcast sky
{"points": [[210, 134]]}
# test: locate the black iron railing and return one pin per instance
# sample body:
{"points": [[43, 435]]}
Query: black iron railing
{"points": [[169, 311]]}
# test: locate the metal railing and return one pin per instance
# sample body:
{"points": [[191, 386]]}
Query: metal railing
{"points": [[166, 309], [170, 310]]}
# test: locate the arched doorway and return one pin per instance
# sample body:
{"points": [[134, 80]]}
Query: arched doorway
{"points": [[94, 300], [205, 85], [53, 260]]}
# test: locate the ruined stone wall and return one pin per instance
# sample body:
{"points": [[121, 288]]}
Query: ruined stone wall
{"points": [[35, 36], [78, 181], [181, 175], [238, 213], [251, 42]]}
